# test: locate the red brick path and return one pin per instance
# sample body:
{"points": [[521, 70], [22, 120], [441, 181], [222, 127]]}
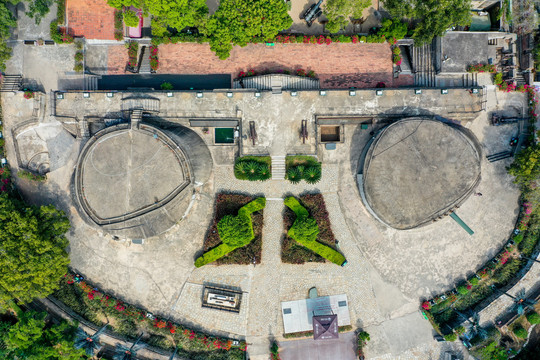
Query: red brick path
{"points": [[337, 65], [93, 19]]}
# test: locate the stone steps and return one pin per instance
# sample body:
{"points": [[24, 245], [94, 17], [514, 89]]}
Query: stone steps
{"points": [[278, 167]]}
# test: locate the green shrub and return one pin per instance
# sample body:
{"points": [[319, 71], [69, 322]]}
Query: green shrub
{"points": [[474, 281], [131, 19], [450, 337], [533, 318], [396, 51], [294, 175], [78, 67], [518, 238], [507, 271], [234, 232], [23, 174], [166, 86], [520, 332], [312, 174], [305, 231], [460, 330], [462, 289]]}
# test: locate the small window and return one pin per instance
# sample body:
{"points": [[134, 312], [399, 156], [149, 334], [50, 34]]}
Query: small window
{"points": [[342, 303], [287, 311]]}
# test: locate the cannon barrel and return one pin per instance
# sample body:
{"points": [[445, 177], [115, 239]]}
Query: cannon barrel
{"points": [[310, 13]]}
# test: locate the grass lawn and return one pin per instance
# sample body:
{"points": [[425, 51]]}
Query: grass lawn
{"points": [[229, 204], [304, 160], [294, 253]]}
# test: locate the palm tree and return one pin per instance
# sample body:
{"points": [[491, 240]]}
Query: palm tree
{"points": [[90, 344], [520, 301], [474, 328], [124, 353]]}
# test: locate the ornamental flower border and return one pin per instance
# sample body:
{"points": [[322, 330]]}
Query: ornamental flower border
{"points": [[161, 325], [154, 58]]}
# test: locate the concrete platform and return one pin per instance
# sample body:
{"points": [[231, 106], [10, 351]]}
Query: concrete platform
{"points": [[416, 170]]}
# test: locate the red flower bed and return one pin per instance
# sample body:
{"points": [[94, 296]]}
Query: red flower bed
{"points": [[294, 253], [154, 60], [229, 204]]}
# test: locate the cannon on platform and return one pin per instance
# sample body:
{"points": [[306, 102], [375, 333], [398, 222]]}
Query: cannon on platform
{"points": [[312, 13]]}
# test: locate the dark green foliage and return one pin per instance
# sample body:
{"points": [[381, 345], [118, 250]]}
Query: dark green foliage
{"points": [[303, 167], [526, 165], [474, 281], [236, 22], [450, 337], [493, 351], [79, 56], [31, 176], [294, 253], [393, 29], [32, 338], [166, 86], [294, 175], [312, 174], [520, 332], [118, 25], [61, 11], [252, 168], [338, 12], [37, 9], [130, 18], [433, 17], [507, 271], [305, 231], [234, 232], [7, 21], [533, 318], [38, 233]]}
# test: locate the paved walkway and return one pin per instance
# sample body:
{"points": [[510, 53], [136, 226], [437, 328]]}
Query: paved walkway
{"points": [[337, 65]]}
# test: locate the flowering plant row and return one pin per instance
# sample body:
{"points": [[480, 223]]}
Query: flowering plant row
{"points": [[133, 49], [482, 68], [97, 299], [154, 60]]}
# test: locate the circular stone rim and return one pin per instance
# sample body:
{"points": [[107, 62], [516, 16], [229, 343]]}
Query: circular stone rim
{"points": [[465, 133], [150, 131]]}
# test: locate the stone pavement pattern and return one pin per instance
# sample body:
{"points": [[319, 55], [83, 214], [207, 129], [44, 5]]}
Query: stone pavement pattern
{"points": [[336, 65], [386, 274]]}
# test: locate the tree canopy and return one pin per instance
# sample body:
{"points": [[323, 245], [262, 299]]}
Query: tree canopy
{"points": [[32, 338], [338, 12], [177, 14], [432, 17], [526, 166], [33, 255], [236, 22]]}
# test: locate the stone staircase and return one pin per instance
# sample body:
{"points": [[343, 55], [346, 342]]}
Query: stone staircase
{"points": [[422, 64], [144, 65], [91, 82], [278, 167], [10, 83], [136, 118]]}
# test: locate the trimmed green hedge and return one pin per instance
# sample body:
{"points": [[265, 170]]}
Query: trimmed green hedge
{"points": [[305, 231], [303, 167], [252, 168], [520, 332], [234, 232], [533, 318]]}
